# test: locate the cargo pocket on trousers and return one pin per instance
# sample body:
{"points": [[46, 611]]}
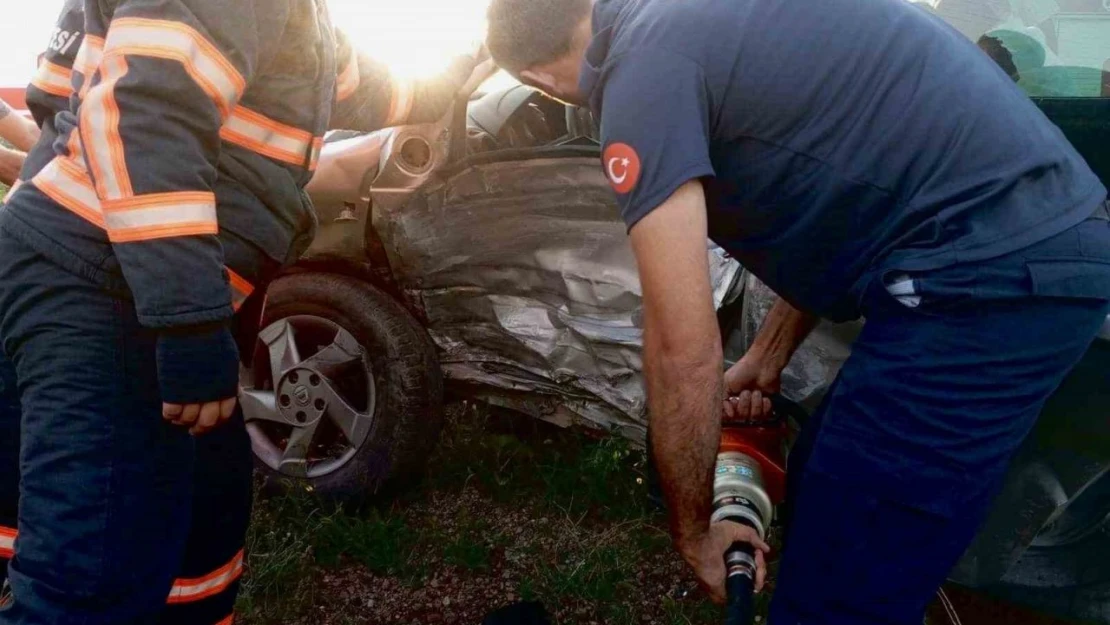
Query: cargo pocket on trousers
{"points": [[1083, 279]]}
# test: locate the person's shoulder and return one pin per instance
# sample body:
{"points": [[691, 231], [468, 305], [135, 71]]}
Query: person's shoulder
{"points": [[666, 18], [665, 28], [669, 12], [73, 13]]}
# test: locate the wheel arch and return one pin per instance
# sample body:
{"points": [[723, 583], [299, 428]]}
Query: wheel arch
{"points": [[368, 273]]}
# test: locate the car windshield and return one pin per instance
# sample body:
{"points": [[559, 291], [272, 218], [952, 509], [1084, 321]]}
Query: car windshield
{"points": [[1051, 48]]}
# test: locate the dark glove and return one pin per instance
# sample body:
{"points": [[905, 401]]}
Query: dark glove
{"points": [[197, 364]]}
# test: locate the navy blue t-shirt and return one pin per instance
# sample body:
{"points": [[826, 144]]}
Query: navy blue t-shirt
{"points": [[837, 139]]}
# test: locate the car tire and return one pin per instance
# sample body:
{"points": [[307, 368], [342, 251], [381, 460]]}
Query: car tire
{"points": [[407, 412], [1071, 581]]}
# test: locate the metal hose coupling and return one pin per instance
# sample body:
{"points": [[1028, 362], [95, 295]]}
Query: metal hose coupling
{"points": [[740, 496]]}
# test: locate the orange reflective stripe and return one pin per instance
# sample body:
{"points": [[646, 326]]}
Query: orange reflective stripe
{"points": [[74, 147], [183, 591], [88, 60], [67, 183], [11, 191], [54, 79], [317, 146], [7, 542], [160, 215], [240, 289], [400, 103], [258, 133], [348, 80], [100, 118], [175, 41], [88, 56], [139, 218], [189, 590]]}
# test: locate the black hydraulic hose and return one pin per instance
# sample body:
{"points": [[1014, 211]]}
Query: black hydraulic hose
{"points": [[740, 609], [740, 572], [456, 146]]}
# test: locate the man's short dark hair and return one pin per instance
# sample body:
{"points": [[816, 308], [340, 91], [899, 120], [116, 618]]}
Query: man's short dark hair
{"points": [[997, 50], [526, 33]]}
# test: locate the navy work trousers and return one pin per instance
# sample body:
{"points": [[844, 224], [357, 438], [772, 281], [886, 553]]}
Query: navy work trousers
{"points": [[893, 476], [122, 518]]}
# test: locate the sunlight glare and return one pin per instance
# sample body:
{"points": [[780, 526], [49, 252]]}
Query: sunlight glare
{"points": [[415, 38]]}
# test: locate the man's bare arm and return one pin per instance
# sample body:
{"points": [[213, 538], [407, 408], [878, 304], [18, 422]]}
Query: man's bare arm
{"points": [[22, 133], [10, 164], [758, 374], [682, 354], [781, 334], [682, 365]]}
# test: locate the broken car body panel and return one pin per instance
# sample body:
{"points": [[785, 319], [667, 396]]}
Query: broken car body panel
{"points": [[518, 264], [528, 282]]}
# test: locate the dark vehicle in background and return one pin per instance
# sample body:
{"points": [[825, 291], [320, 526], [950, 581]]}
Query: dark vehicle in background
{"points": [[486, 251]]}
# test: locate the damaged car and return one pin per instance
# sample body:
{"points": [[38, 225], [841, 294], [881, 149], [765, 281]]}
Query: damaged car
{"points": [[485, 251]]}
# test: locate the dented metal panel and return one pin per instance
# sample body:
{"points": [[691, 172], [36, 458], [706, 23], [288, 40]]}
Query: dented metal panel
{"points": [[528, 281]]}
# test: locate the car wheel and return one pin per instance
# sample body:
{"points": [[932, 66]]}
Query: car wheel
{"points": [[344, 395], [1065, 571]]}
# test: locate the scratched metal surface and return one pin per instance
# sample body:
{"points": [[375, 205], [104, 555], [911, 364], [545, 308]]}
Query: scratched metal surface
{"points": [[529, 284]]}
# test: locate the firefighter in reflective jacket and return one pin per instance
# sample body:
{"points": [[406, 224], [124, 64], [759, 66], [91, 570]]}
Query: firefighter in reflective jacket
{"points": [[167, 192], [207, 582]]}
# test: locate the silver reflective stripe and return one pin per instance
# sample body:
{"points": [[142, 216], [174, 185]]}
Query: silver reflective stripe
{"points": [[901, 287], [179, 42]]}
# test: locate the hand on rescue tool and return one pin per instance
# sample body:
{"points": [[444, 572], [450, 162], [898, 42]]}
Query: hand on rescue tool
{"points": [[748, 386], [706, 555], [199, 418]]}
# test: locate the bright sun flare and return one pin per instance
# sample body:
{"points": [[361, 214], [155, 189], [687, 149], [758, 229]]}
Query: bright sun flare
{"points": [[416, 38]]}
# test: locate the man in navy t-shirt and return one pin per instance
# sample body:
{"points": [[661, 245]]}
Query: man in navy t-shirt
{"points": [[862, 159]]}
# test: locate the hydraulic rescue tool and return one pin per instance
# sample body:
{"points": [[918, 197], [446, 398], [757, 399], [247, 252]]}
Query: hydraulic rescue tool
{"points": [[750, 481]]}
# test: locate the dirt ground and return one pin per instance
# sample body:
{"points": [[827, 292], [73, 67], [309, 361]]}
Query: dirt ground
{"points": [[592, 573], [510, 511]]}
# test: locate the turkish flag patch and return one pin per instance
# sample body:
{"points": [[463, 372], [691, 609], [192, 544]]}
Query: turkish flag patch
{"points": [[622, 167]]}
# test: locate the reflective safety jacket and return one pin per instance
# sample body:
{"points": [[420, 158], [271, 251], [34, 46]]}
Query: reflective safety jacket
{"points": [[184, 133], [49, 91]]}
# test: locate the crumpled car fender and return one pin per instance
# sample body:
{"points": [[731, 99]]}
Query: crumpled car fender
{"points": [[527, 278]]}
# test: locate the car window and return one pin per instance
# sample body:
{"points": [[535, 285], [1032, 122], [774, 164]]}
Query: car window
{"points": [[1051, 48]]}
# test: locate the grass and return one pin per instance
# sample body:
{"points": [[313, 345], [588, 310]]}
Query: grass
{"points": [[510, 510], [506, 457]]}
